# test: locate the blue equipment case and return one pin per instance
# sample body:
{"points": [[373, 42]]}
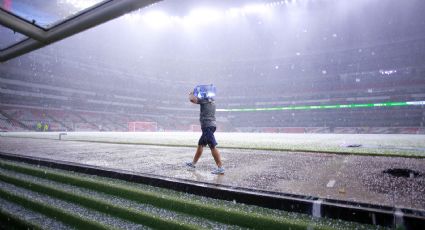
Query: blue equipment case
{"points": [[204, 91]]}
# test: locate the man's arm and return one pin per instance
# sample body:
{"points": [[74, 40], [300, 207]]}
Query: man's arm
{"points": [[192, 98], [196, 100]]}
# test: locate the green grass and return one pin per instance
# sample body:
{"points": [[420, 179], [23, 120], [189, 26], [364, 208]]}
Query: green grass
{"points": [[53, 212], [297, 149], [98, 205], [391, 145], [202, 208], [11, 221], [227, 216], [188, 211]]}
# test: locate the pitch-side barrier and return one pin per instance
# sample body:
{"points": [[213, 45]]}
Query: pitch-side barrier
{"points": [[318, 207]]}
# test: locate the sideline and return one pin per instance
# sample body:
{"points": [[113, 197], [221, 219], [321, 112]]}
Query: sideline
{"points": [[319, 207], [420, 152]]}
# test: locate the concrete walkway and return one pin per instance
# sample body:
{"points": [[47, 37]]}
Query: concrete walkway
{"points": [[343, 177]]}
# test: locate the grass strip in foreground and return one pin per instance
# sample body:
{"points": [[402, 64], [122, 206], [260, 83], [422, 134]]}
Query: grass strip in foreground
{"points": [[101, 206], [220, 214], [11, 221], [53, 212]]}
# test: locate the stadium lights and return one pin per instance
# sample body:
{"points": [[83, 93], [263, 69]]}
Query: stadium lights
{"points": [[156, 18], [80, 4], [387, 72], [311, 107], [202, 16], [250, 9], [256, 8], [233, 12]]}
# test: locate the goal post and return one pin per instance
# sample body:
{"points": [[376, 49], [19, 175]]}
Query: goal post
{"points": [[195, 128], [142, 126]]}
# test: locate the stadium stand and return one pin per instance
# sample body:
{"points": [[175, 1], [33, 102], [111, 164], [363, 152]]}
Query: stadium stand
{"points": [[74, 92]]}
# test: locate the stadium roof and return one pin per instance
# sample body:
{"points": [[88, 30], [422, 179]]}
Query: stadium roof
{"points": [[27, 25]]}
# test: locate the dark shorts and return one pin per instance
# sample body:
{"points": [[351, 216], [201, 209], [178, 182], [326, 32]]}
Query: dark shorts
{"points": [[207, 137]]}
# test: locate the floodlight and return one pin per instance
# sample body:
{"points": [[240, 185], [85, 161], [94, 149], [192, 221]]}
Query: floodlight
{"points": [[255, 9], [156, 18], [81, 4], [202, 16]]}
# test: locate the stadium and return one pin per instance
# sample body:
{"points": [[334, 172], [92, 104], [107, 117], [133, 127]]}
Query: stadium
{"points": [[320, 114]]}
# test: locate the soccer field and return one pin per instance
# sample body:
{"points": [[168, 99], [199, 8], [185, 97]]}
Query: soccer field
{"points": [[368, 144], [311, 174]]}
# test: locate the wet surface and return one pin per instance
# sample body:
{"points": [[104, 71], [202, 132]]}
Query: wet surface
{"points": [[356, 178]]}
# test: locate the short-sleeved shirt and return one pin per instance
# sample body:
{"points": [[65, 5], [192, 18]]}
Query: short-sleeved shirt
{"points": [[207, 114]]}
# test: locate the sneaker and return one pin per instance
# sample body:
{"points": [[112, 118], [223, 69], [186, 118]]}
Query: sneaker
{"points": [[190, 164], [218, 171]]}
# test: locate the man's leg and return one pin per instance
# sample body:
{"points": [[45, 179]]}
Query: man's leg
{"points": [[198, 154], [217, 158]]}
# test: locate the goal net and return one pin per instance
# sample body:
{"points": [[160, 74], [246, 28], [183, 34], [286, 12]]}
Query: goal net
{"points": [[142, 126]]}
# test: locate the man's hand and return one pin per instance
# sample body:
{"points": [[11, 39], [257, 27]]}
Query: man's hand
{"points": [[192, 98]]}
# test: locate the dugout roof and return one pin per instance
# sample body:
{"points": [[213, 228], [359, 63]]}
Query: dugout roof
{"points": [[27, 25]]}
